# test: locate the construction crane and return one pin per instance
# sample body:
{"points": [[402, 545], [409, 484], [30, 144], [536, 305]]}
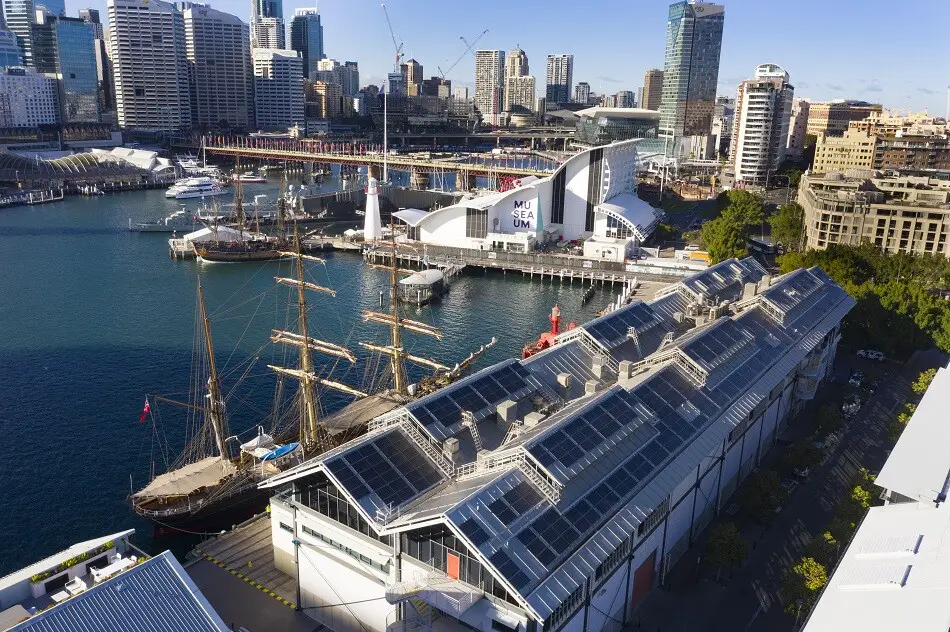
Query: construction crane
{"points": [[468, 48], [398, 46]]}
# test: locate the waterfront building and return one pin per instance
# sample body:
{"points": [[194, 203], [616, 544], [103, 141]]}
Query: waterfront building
{"points": [[760, 132], [306, 37], [147, 50], [895, 213], [105, 584], [515, 88], [278, 89], [10, 53], [555, 493], [853, 150], [797, 129], [218, 50], [520, 94], [892, 574], [560, 79], [19, 16], [834, 117], [582, 92], [603, 125], [267, 24], [690, 71], [652, 94], [27, 98], [489, 90]]}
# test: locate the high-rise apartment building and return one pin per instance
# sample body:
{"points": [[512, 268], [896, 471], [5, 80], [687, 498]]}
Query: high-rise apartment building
{"points": [[19, 16], [412, 77], [560, 78], [103, 64], [516, 66], [691, 68], [760, 127], [797, 129], [624, 99], [520, 92], [582, 92], [489, 90], [147, 49], [350, 78], [833, 117], [324, 100], [267, 24], [10, 53], [278, 89], [306, 37], [27, 98], [65, 47], [218, 49], [652, 94]]}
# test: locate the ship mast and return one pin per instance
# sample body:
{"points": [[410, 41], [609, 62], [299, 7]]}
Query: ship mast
{"points": [[239, 199], [215, 409], [281, 207]]}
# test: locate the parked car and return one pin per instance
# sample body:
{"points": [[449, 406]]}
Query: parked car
{"points": [[802, 472], [856, 379], [871, 354], [691, 247]]}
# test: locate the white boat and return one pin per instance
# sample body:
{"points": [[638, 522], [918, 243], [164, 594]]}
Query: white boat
{"points": [[179, 221], [195, 188], [249, 176]]}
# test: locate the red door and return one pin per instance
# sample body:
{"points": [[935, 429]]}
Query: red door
{"points": [[643, 580], [452, 565]]}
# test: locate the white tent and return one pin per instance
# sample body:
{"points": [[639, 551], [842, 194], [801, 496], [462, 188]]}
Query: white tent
{"points": [[221, 233]]}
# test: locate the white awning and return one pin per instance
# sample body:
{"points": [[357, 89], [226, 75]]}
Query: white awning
{"points": [[411, 216], [188, 479], [639, 216]]}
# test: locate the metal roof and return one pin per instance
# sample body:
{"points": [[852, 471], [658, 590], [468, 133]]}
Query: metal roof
{"points": [[918, 466], [155, 596]]}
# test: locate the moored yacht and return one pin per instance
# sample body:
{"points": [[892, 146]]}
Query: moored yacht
{"points": [[195, 188]]}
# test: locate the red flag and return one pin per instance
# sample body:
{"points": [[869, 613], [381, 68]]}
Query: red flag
{"points": [[145, 411]]}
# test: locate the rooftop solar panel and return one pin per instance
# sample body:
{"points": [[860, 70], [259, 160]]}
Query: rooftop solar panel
{"points": [[474, 532], [503, 511], [583, 516], [536, 546], [522, 497], [510, 570]]}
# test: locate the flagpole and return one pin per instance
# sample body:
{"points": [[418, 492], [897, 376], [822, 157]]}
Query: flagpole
{"points": [[385, 134]]}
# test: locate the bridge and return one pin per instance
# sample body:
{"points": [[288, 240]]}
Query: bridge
{"points": [[366, 155]]}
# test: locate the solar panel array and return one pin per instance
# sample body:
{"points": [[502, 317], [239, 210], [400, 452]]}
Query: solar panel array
{"points": [[727, 275], [561, 450], [441, 413], [390, 466], [718, 344], [612, 329], [515, 502]]}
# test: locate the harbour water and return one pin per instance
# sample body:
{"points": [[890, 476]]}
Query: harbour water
{"points": [[94, 318]]}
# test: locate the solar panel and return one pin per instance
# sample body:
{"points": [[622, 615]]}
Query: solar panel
{"points": [[491, 390], [602, 497], [348, 479], [581, 433], [620, 481], [509, 380], [605, 423], [522, 497], [533, 542], [583, 516], [467, 399], [638, 467], [509, 570], [474, 532], [502, 511]]}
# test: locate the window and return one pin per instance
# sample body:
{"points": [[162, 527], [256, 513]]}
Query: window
{"points": [[345, 549], [567, 608], [476, 223], [286, 527], [612, 560]]}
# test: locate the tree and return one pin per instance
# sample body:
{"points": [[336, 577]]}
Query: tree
{"points": [[723, 239], [762, 495], [823, 548], [725, 547], [923, 381], [745, 209], [802, 455], [830, 418], [787, 226], [803, 585]]}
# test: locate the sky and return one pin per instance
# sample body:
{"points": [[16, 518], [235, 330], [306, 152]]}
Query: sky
{"points": [[871, 50]]}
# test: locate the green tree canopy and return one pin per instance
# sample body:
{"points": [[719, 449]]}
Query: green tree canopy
{"points": [[745, 209], [725, 547], [723, 239], [803, 585], [787, 226], [923, 381], [762, 495], [801, 455], [830, 418]]}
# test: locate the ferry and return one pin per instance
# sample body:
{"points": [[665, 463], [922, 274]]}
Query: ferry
{"points": [[195, 188]]}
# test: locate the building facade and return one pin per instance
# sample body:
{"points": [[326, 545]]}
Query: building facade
{"points": [[520, 94], [691, 68], [516, 67], [560, 79], [412, 77], [625, 99], [652, 95], [267, 24], [600, 462], [278, 89], [19, 16], [760, 129], [895, 213], [854, 150], [10, 53], [147, 49], [582, 92], [324, 100], [516, 63], [27, 98], [218, 49], [306, 37], [797, 129], [489, 87], [834, 117]]}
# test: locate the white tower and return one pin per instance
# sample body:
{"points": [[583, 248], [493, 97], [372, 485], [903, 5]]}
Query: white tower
{"points": [[372, 225]]}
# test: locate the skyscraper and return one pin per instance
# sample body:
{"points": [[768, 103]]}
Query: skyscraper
{"points": [[306, 37], [582, 92], [91, 16], [760, 127], [560, 79], [412, 74], [489, 91], [691, 68], [218, 49], [515, 89], [624, 99], [147, 46], [65, 47], [278, 89], [652, 93], [267, 24], [19, 16], [103, 64], [10, 54], [350, 78]]}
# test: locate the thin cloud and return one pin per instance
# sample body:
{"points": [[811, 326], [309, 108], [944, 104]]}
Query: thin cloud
{"points": [[926, 91], [609, 79], [801, 84], [873, 89], [834, 86]]}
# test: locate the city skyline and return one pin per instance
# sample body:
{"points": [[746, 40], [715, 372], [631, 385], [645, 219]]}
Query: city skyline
{"points": [[617, 59]]}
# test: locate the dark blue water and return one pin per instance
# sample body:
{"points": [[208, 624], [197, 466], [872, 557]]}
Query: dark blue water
{"points": [[93, 318]]}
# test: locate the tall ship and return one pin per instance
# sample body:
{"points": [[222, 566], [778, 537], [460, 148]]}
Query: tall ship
{"points": [[212, 482]]}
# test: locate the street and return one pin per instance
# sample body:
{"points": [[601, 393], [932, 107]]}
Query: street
{"points": [[749, 600]]}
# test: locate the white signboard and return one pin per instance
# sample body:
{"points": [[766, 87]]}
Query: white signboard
{"points": [[519, 213]]}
